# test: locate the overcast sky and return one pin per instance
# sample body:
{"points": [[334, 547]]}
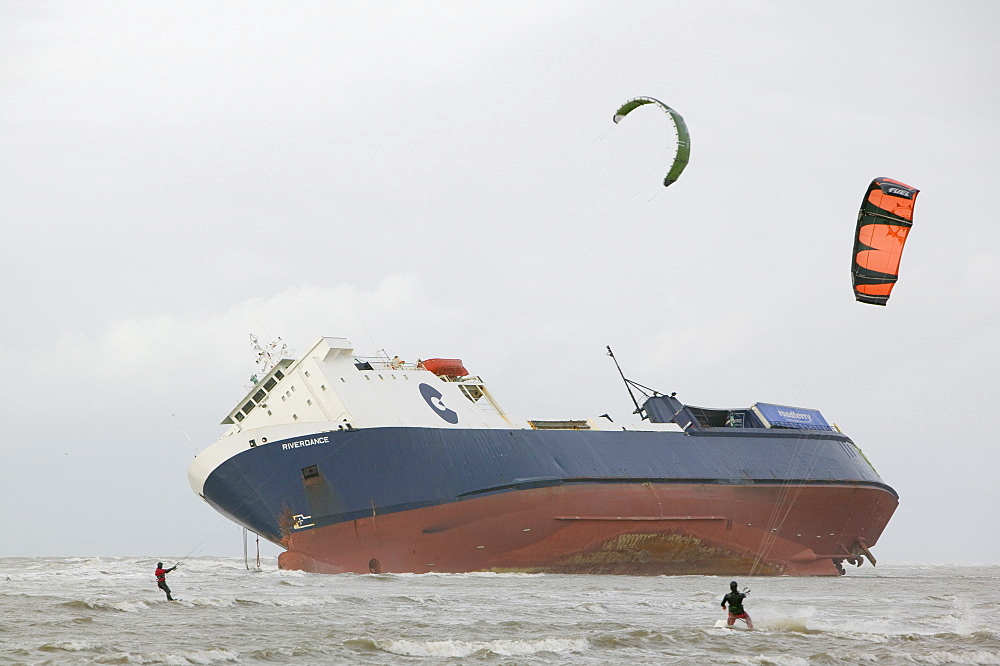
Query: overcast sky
{"points": [[444, 179]]}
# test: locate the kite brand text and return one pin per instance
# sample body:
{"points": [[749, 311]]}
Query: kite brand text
{"points": [[896, 190], [305, 442], [799, 416]]}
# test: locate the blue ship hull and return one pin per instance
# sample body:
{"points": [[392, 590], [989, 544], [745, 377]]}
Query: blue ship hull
{"points": [[300, 489]]}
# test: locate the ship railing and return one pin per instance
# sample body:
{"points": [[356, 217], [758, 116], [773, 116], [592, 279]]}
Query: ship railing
{"points": [[792, 425], [382, 363], [468, 379]]}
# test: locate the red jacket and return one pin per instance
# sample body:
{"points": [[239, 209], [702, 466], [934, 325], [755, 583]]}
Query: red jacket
{"points": [[161, 574]]}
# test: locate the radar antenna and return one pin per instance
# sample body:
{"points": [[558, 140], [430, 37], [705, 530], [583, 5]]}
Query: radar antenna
{"points": [[267, 356]]}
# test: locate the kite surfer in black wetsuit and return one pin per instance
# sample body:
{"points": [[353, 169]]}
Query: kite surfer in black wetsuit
{"points": [[161, 578], [735, 600]]}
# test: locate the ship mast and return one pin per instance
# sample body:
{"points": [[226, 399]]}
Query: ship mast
{"points": [[629, 384], [268, 355]]}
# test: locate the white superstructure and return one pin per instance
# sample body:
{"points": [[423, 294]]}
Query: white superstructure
{"points": [[328, 389]]}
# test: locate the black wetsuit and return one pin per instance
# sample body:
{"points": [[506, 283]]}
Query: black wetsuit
{"points": [[736, 612], [735, 601]]}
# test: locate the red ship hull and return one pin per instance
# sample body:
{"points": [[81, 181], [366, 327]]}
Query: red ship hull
{"points": [[608, 528]]}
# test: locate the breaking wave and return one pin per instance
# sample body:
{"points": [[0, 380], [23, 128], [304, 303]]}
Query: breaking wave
{"points": [[109, 611], [503, 648]]}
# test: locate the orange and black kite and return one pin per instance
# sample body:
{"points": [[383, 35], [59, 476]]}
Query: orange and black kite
{"points": [[884, 221]]}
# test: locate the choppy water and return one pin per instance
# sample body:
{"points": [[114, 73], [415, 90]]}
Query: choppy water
{"points": [[109, 611]]}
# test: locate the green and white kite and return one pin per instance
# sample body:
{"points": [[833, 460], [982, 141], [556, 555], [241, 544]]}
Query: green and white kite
{"points": [[683, 151]]}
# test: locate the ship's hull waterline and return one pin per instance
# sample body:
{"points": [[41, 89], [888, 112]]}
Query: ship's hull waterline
{"points": [[635, 529]]}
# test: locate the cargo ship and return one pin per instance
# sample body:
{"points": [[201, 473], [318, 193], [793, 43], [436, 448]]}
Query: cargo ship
{"points": [[377, 465]]}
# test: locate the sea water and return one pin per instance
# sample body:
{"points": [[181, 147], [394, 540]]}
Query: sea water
{"points": [[109, 611]]}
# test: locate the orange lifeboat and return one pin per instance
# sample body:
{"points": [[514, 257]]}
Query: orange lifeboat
{"points": [[445, 367]]}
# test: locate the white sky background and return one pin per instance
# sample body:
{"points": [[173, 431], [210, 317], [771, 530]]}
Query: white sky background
{"points": [[444, 179]]}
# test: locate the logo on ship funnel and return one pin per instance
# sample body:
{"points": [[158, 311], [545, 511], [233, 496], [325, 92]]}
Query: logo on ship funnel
{"points": [[433, 398]]}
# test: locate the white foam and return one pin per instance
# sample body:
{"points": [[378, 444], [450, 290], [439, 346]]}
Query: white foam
{"points": [[420, 600], [120, 605], [861, 657], [593, 607], [208, 602], [975, 658], [775, 659], [68, 646], [468, 574], [796, 624], [504, 648], [124, 606], [181, 658], [298, 601]]}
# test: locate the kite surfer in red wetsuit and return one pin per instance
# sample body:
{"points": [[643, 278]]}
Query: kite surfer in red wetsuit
{"points": [[735, 601], [161, 578]]}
